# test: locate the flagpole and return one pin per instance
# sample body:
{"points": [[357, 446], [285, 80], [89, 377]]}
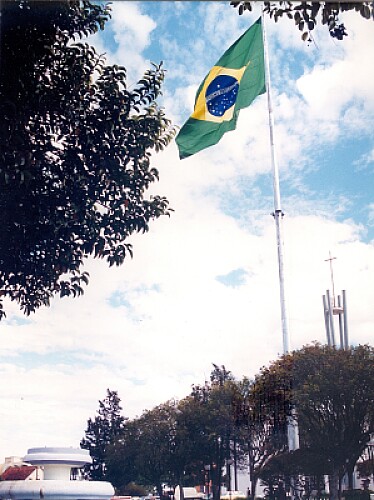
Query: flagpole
{"points": [[278, 213], [292, 423]]}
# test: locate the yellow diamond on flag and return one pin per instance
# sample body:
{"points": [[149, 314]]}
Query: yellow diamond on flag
{"points": [[216, 100]]}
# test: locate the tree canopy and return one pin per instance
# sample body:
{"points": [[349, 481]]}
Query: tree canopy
{"points": [[307, 15], [75, 148], [244, 423], [101, 432], [174, 442], [332, 391]]}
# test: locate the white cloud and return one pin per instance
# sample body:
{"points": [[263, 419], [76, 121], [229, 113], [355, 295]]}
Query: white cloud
{"points": [[365, 160], [370, 209], [343, 81], [170, 335], [219, 28], [132, 35], [152, 328]]}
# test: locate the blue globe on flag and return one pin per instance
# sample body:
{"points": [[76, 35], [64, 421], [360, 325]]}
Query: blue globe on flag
{"points": [[221, 94]]}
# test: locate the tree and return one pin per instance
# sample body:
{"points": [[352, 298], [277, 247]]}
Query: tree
{"points": [[75, 148], [154, 445], [306, 468], [191, 443], [121, 458], [336, 404], [141, 453], [305, 14], [101, 432], [262, 427], [217, 420], [333, 393], [173, 442]]}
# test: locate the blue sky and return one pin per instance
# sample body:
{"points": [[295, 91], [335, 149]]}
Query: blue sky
{"points": [[202, 287]]}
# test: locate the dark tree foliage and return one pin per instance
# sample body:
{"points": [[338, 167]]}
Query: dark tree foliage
{"points": [[179, 443], [101, 432], [220, 375], [121, 458], [75, 146], [332, 391], [215, 404], [154, 444], [306, 14], [141, 453], [305, 467], [262, 420]]}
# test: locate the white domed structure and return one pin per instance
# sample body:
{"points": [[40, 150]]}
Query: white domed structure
{"points": [[56, 485]]}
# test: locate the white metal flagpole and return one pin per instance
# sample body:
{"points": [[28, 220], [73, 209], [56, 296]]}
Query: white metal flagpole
{"points": [[292, 424], [278, 213]]}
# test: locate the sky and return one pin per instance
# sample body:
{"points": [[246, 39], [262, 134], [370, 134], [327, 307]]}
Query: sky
{"points": [[203, 285]]}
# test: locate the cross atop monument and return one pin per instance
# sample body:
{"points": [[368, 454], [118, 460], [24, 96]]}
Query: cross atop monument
{"points": [[330, 259], [332, 308]]}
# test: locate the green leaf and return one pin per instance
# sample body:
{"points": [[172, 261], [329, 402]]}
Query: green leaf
{"points": [[72, 192], [365, 11]]}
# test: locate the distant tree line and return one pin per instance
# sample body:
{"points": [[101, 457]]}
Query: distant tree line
{"points": [[226, 425]]}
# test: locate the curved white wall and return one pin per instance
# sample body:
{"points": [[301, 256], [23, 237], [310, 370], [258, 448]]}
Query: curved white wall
{"points": [[55, 490], [57, 462], [56, 485]]}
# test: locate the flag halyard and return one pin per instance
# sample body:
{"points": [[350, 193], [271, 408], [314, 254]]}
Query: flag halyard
{"points": [[232, 84]]}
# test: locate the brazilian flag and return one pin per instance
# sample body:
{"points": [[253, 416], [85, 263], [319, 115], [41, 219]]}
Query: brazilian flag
{"points": [[232, 84]]}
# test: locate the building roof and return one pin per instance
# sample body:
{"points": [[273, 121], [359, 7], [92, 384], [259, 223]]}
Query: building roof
{"points": [[17, 473]]}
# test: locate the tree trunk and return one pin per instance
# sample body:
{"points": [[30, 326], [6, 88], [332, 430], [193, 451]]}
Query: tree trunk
{"points": [[217, 473], [235, 467], [254, 480], [320, 485], [181, 491], [251, 468], [350, 480], [350, 472], [159, 490], [216, 482], [334, 485]]}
